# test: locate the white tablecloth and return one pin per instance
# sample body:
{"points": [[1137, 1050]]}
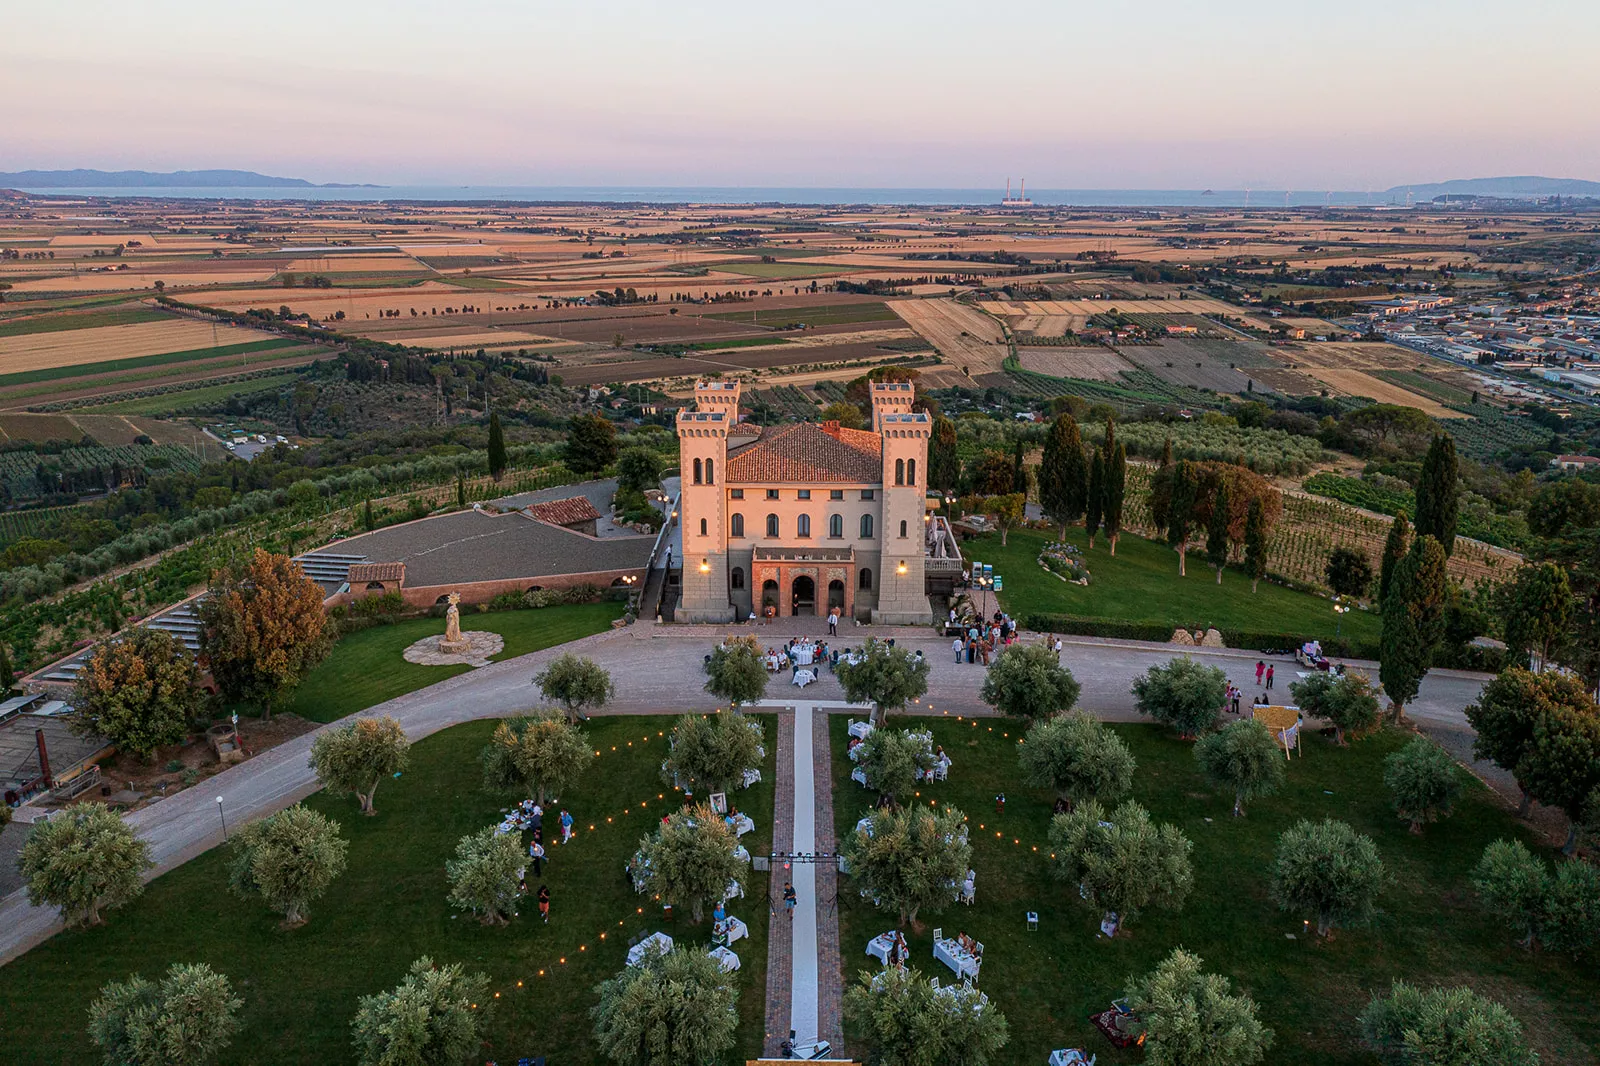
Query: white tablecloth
{"points": [[802, 678], [742, 825], [804, 654], [742, 853], [725, 959], [655, 941], [859, 776], [1068, 1056], [751, 777], [865, 825], [733, 891], [737, 930], [878, 947], [860, 729], [950, 953]]}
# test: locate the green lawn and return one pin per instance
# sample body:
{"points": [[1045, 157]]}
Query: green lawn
{"points": [[84, 320], [1141, 584], [187, 399], [300, 988], [366, 668], [1430, 928]]}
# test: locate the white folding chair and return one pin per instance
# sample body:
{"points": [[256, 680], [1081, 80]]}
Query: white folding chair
{"points": [[934, 981], [938, 935]]}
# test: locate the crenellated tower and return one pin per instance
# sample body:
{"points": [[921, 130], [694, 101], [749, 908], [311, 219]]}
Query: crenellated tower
{"points": [[702, 467], [902, 597]]}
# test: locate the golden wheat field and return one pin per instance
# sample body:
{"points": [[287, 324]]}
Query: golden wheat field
{"points": [[75, 347]]}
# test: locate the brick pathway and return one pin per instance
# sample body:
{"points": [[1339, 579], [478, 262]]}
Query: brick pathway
{"points": [[780, 942], [830, 969]]}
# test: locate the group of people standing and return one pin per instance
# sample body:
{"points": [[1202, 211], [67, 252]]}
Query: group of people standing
{"points": [[980, 643], [538, 856]]}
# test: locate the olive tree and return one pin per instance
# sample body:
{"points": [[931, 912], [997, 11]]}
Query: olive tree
{"points": [[578, 684], [908, 858], [541, 755], [184, 1020], [1561, 911], [910, 1022], [1423, 782], [689, 861], [886, 677], [713, 750], [356, 757], [84, 860], [1192, 1018], [737, 672], [1122, 861], [1329, 869], [1242, 756], [893, 760], [1443, 1027], [1028, 682], [1345, 700], [288, 859], [485, 876], [433, 1017], [674, 1008], [1079, 757], [1182, 693]]}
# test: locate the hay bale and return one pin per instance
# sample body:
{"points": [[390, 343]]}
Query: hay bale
{"points": [[1212, 639], [1181, 636]]}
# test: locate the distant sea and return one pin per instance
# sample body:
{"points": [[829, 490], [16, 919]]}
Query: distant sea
{"points": [[1264, 199]]}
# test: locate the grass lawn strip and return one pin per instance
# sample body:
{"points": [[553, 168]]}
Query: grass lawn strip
{"points": [[300, 988], [365, 668], [1141, 584], [1429, 930], [88, 320]]}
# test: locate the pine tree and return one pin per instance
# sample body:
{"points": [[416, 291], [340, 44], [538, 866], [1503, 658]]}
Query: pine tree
{"points": [[1115, 486], [497, 447], [1180, 512], [1094, 503], [1217, 531], [1255, 543], [1438, 497], [1061, 490], [1394, 549]]}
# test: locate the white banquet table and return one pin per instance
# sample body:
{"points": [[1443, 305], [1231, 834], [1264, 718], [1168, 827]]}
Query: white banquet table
{"points": [[654, 940]]}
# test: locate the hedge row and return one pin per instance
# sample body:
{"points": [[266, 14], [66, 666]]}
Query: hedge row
{"points": [[1160, 633]]}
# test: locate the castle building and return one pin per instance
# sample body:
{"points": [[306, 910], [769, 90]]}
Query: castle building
{"points": [[797, 520]]}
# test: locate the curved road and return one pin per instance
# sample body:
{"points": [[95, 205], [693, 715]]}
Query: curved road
{"points": [[658, 669]]}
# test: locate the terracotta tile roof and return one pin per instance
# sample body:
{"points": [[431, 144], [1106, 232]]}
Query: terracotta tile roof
{"points": [[361, 573], [809, 453], [567, 512]]}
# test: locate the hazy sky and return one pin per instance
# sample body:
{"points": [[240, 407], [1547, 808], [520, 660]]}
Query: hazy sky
{"points": [[1112, 94]]}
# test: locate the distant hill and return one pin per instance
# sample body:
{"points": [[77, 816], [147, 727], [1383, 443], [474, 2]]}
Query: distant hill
{"points": [[145, 179], [1509, 188]]}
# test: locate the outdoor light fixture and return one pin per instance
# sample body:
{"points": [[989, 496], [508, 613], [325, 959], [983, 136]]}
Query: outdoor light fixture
{"points": [[900, 569], [223, 817], [705, 566]]}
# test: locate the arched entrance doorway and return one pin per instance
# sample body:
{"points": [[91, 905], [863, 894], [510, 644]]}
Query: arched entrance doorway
{"points": [[803, 596], [836, 595], [769, 596]]}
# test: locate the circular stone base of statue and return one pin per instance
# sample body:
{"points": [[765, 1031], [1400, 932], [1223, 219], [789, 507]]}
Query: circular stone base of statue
{"points": [[474, 649]]}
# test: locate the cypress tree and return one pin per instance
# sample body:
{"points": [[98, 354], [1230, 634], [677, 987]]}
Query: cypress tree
{"points": [[497, 447], [1217, 531], [1180, 512], [1061, 474], [366, 515], [1394, 549], [1413, 622], [944, 468], [461, 491], [1116, 481], [1438, 498], [1166, 453], [1019, 472], [1094, 504], [1255, 542], [7, 671]]}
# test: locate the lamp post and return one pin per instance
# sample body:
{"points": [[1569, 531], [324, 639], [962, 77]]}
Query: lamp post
{"points": [[223, 817], [1340, 608]]}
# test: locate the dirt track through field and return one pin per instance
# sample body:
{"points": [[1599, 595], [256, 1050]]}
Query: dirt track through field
{"points": [[965, 337]]}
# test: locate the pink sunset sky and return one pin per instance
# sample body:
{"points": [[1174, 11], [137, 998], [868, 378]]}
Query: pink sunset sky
{"points": [[1159, 94]]}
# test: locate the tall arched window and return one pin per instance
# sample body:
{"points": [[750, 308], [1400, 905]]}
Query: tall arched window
{"points": [[802, 526], [902, 527], [711, 466], [866, 527], [697, 471], [836, 525], [899, 471], [772, 525], [911, 472], [866, 579], [736, 526], [736, 577], [703, 528]]}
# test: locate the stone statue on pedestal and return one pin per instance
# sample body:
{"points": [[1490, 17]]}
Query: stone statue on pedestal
{"points": [[452, 641]]}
